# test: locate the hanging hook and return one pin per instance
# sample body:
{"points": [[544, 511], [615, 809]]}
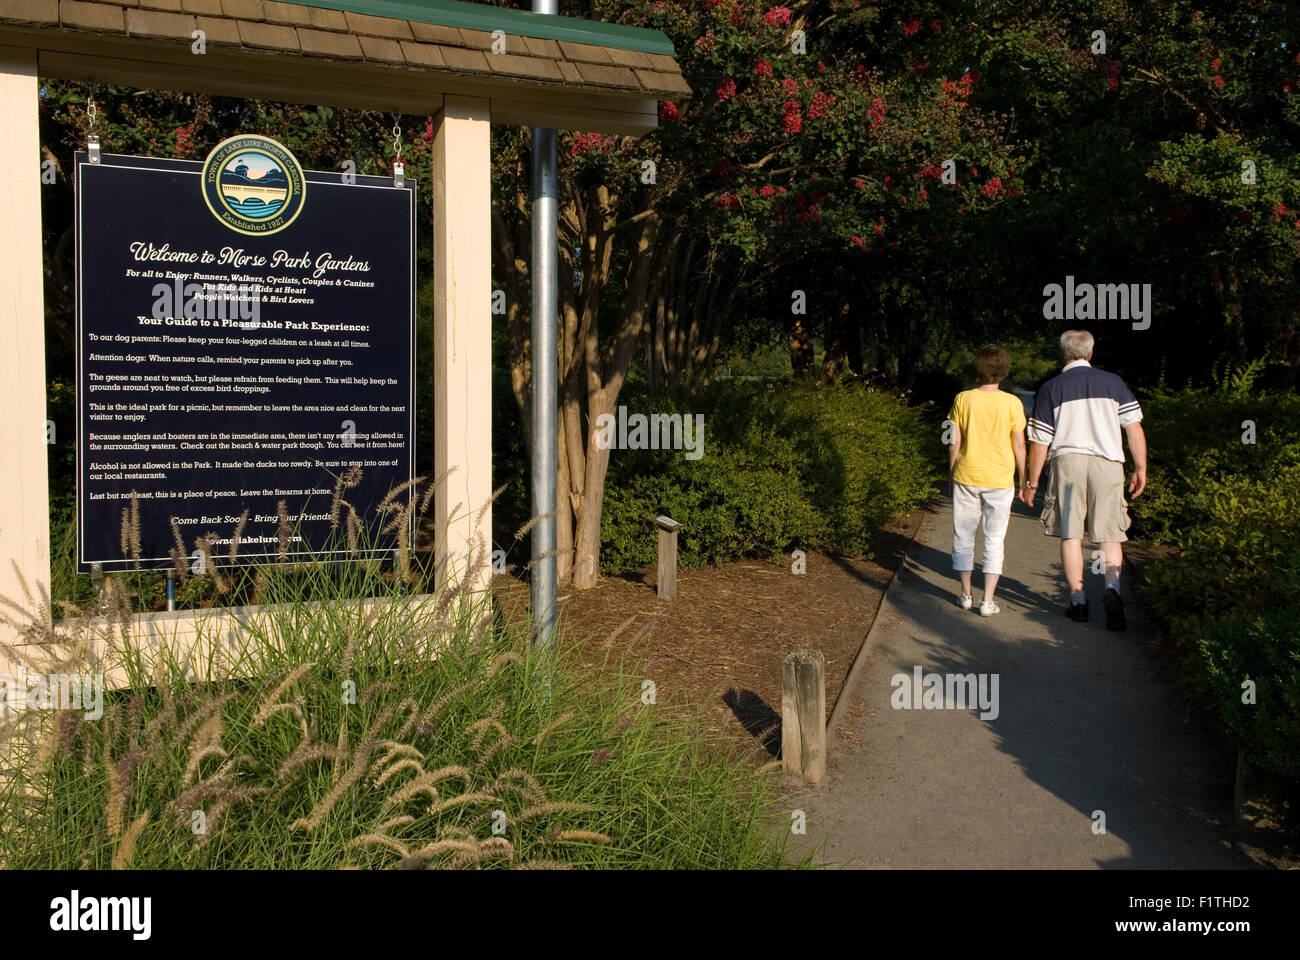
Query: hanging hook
{"points": [[97, 581], [92, 141], [399, 168]]}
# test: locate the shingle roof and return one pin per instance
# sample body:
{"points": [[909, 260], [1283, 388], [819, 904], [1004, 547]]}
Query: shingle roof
{"points": [[320, 31]]}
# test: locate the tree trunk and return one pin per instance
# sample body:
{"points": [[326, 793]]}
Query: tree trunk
{"points": [[586, 541], [842, 341], [563, 513], [798, 338]]}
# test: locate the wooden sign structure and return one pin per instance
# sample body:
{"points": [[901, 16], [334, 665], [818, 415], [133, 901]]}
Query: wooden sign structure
{"points": [[466, 64]]}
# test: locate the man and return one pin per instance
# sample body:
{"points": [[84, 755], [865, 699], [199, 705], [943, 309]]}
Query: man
{"points": [[1076, 424]]}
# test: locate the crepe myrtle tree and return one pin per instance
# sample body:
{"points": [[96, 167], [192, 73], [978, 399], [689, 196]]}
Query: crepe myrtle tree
{"points": [[789, 154], [856, 212], [818, 155]]}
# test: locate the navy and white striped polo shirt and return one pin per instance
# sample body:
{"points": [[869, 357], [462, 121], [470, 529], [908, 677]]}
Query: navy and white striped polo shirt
{"points": [[1083, 410]]}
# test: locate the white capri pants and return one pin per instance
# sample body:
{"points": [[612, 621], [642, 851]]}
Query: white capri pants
{"points": [[969, 505]]}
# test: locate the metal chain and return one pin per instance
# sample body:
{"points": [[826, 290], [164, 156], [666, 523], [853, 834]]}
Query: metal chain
{"points": [[397, 135], [92, 113]]}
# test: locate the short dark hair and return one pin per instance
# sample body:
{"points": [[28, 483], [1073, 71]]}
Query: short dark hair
{"points": [[992, 364]]}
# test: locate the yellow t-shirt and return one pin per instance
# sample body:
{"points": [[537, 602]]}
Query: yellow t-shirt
{"points": [[987, 418]]}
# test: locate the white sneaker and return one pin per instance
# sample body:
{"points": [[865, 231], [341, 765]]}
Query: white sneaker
{"points": [[965, 602], [988, 608]]}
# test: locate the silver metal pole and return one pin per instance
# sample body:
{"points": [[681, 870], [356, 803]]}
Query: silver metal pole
{"points": [[545, 275]]}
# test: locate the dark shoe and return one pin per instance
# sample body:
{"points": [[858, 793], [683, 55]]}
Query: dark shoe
{"points": [[1114, 606], [1078, 612]]}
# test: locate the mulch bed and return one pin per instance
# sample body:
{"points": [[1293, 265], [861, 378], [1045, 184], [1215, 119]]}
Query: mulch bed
{"points": [[718, 647]]}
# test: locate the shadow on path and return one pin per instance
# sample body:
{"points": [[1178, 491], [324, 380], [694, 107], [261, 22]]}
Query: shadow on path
{"points": [[1089, 731]]}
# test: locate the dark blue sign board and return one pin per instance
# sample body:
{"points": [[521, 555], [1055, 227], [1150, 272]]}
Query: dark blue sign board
{"points": [[246, 346]]}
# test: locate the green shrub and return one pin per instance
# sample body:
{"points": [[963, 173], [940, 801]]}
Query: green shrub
{"points": [[1195, 439], [864, 455], [1266, 650], [1235, 558], [783, 465], [1230, 598], [729, 505]]}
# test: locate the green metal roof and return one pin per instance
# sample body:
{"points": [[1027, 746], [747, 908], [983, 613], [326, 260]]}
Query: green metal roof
{"points": [[524, 23]]}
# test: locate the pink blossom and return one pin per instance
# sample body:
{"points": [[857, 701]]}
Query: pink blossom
{"points": [[726, 89], [584, 143], [911, 27], [764, 69], [777, 15], [668, 111], [877, 112]]}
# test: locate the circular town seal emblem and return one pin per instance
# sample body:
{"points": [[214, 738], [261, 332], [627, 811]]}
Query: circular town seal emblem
{"points": [[253, 185]]}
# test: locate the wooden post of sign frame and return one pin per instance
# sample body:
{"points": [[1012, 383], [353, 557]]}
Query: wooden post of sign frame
{"points": [[462, 317], [24, 483]]}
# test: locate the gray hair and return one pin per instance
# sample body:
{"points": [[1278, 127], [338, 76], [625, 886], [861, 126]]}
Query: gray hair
{"points": [[1076, 345]]}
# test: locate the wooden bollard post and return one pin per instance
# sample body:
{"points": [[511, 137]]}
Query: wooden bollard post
{"points": [[667, 585], [803, 714]]}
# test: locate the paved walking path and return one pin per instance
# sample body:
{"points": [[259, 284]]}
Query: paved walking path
{"points": [[1088, 720]]}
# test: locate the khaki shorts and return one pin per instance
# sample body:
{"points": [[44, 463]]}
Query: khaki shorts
{"points": [[1086, 493]]}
